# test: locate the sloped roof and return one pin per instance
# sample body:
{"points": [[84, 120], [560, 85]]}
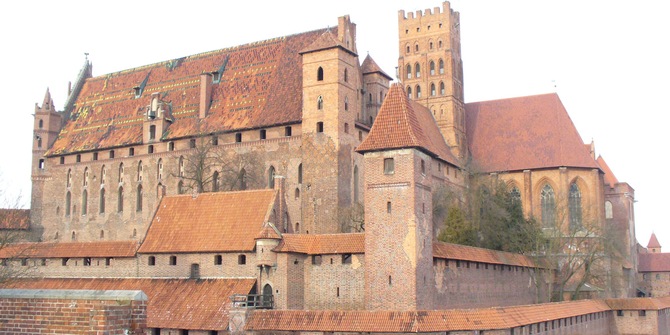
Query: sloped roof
{"points": [[14, 218], [208, 222], [69, 249], [419, 321], [609, 177], [173, 303], [322, 244], [261, 86], [269, 231], [653, 262], [473, 254], [530, 132], [326, 41], [653, 242], [402, 123], [639, 303], [370, 66]]}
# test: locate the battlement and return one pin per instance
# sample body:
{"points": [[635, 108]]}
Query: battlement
{"points": [[446, 8]]}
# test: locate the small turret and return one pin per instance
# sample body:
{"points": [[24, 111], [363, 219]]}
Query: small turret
{"points": [[653, 246]]}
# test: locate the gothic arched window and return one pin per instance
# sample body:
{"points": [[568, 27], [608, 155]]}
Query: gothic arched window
{"points": [[271, 177], [409, 71], [417, 70], [441, 66], [432, 89], [84, 202], [319, 74], [548, 204], [102, 201], [319, 103], [575, 206]]}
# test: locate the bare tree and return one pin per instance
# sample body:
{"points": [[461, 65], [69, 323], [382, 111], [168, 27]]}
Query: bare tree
{"points": [[352, 219], [14, 224]]}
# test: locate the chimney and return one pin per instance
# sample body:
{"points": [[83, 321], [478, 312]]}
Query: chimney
{"points": [[205, 94]]}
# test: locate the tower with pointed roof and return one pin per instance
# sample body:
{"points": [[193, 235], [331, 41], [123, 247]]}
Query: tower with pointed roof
{"points": [[653, 246], [431, 70]]}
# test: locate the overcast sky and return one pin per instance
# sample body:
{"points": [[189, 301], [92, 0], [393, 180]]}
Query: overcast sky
{"points": [[607, 60]]}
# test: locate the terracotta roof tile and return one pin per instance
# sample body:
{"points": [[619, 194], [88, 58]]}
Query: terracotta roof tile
{"points": [[524, 133], [260, 87], [639, 303], [208, 222], [419, 321], [370, 66], [653, 242], [653, 262], [327, 40], [269, 231], [322, 244], [173, 303], [473, 254], [70, 249], [609, 177], [402, 123], [11, 218]]}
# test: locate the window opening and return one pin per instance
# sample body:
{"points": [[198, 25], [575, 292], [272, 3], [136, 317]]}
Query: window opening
{"points": [[389, 166]]}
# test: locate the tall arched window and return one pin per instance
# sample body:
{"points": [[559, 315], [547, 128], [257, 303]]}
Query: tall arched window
{"points": [[432, 68], [119, 207], [181, 166], [442, 88], [409, 92], [432, 89], [417, 70], [103, 175], [409, 71], [215, 181], [102, 201], [121, 173], [356, 184], [84, 202], [575, 206], [138, 207], [69, 178], [548, 204], [159, 168], [515, 194], [271, 177], [319, 74], [243, 179], [300, 173], [180, 187], [608, 210], [68, 203], [319, 103], [418, 91], [140, 169], [41, 124], [346, 76], [441, 66], [85, 176], [346, 104]]}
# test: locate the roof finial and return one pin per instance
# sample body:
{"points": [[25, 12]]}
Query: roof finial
{"points": [[86, 55]]}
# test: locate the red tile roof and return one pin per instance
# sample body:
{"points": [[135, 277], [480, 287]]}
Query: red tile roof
{"points": [[269, 231], [419, 321], [653, 242], [639, 303], [466, 253], [531, 132], [261, 86], [370, 66], [173, 303], [322, 244], [11, 218], [609, 177], [70, 249], [402, 123], [326, 41], [209, 222], [653, 262]]}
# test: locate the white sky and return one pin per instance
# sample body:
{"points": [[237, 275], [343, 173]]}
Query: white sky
{"points": [[608, 61]]}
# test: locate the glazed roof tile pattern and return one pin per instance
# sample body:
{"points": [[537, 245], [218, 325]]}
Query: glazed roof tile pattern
{"points": [[11, 218], [322, 244], [70, 249], [209, 222], [261, 86], [653, 241], [173, 303], [402, 123], [609, 177], [370, 66], [473, 254], [639, 303], [420, 321], [653, 262], [530, 132]]}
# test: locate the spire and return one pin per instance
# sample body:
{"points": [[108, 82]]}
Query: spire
{"points": [[47, 103], [653, 244], [370, 66]]}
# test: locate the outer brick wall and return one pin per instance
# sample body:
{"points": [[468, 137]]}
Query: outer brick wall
{"points": [[72, 312]]}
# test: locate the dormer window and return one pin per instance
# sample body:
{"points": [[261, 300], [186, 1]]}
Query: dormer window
{"points": [[216, 77], [138, 91]]}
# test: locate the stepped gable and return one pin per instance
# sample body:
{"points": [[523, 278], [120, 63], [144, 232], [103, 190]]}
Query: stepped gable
{"points": [[326, 41], [402, 123], [420, 321], [523, 133], [209, 222], [609, 177], [322, 244], [70, 249], [370, 66], [261, 86], [14, 218], [653, 242], [202, 304]]}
